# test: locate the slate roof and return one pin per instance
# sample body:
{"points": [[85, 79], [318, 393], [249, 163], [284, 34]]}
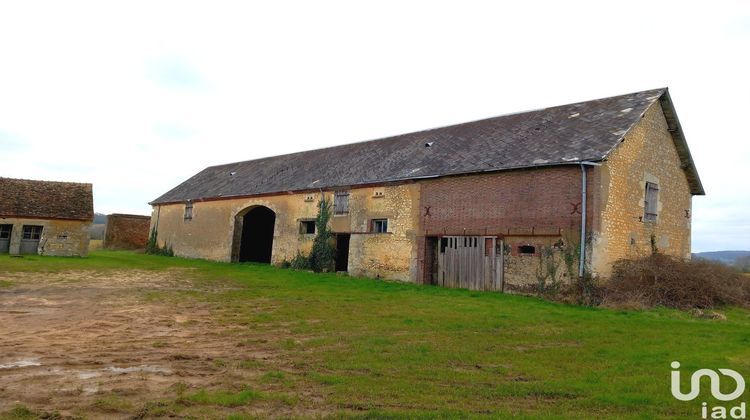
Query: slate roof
{"points": [[567, 134], [46, 199]]}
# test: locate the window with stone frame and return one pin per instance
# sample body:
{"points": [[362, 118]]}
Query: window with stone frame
{"points": [[307, 227], [188, 211], [379, 226], [651, 202]]}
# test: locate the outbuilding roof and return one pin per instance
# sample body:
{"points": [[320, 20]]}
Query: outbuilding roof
{"points": [[561, 135], [46, 199]]}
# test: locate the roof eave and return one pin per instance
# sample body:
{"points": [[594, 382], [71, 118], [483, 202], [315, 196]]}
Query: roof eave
{"points": [[577, 162], [678, 137]]}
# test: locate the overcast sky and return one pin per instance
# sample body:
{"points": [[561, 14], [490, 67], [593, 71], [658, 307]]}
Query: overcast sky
{"points": [[136, 97]]}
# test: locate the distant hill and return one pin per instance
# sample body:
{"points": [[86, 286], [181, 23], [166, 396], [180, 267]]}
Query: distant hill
{"points": [[100, 218], [96, 230], [727, 257]]}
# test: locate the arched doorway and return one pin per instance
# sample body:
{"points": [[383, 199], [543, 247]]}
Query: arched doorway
{"points": [[255, 230]]}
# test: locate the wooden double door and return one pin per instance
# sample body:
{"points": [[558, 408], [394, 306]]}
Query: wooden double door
{"points": [[470, 262]]}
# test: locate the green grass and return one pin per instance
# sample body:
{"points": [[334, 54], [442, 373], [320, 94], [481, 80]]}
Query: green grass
{"points": [[222, 398], [385, 349]]}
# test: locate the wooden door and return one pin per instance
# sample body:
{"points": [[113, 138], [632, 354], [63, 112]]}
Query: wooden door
{"points": [[30, 239], [5, 231], [470, 262]]}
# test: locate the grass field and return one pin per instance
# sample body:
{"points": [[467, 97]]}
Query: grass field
{"points": [[340, 346]]}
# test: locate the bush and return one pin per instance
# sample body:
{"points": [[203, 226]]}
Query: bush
{"points": [[153, 248], [661, 280], [323, 255], [300, 262]]}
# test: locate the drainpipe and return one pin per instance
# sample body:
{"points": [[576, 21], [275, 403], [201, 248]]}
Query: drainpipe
{"points": [[582, 258], [158, 213]]}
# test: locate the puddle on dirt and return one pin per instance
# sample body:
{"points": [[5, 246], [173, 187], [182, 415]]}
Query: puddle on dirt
{"points": [[142, 368], [87, 374], [20, 364]]}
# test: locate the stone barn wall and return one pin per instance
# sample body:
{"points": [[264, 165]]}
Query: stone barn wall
{"points": [[647, 154], [126, 231], [61, 238], [392, 255]]}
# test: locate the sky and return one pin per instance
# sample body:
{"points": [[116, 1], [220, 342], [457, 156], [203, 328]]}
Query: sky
{"points": [[135, 97]]}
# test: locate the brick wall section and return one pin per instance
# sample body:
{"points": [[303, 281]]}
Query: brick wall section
{"points": [[504, 203], [532, 206], [647, 154], [126, 231]]}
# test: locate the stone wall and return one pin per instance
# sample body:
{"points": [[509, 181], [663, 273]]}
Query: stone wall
{"points": [[64, 238], [126, 231], [647, 154], [392, 255]]}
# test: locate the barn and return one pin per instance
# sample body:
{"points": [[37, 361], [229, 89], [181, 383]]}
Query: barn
{"points": [[45, 217], [494, 204]]}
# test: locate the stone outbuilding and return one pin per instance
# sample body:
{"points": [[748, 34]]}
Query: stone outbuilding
{"points": [[494, 204], [45, 217], [126, 231]]}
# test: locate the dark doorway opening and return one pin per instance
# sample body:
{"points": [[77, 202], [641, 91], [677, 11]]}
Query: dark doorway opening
{"points": [[430, 260], [342, 252], [257, 235]]}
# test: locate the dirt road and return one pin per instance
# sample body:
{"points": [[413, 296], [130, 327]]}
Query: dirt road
{"points": [[104, 344]]}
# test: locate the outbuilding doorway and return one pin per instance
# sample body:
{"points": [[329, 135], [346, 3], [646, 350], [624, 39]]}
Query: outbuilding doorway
{"points": [[5, 231], [255, 235], [32, 234], [342, 251]]}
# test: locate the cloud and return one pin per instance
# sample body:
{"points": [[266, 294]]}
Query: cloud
{"points": [[172, 131], [174, 73], [85, 97]]}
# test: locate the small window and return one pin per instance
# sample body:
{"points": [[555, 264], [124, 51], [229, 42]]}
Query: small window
{"points": [[5, 231], [32, 232], [380, 225], [309, 197], [651, 202], [341, 202], [378, 192], [188, 211], [527, 249], [307, 227]]}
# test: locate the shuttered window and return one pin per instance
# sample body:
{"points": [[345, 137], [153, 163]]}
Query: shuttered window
{"points": [[341, 202], [651, 202], [188, 211]]}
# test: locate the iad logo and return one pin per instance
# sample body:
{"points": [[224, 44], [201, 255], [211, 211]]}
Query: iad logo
{"points": [[718, 412]]}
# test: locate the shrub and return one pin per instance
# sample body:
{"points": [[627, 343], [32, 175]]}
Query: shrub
{"points": [[322, 256], [661, 280], [300, 262], [153, 248]]}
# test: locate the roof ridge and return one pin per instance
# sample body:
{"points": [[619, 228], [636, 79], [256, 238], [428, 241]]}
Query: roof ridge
{"points": [[557, 135], [43, 180], [660, 90]]}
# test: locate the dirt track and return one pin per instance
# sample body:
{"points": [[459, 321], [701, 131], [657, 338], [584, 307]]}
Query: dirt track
{"points": [[68, 339]]}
